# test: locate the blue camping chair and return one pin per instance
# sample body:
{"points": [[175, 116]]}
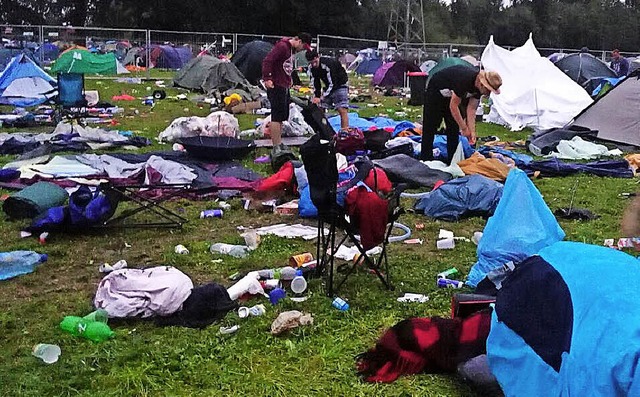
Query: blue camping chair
{"points": [[70, 102]]}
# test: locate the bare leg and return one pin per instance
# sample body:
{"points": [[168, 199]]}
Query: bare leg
{"points": [[275, 128], [344, 118]]}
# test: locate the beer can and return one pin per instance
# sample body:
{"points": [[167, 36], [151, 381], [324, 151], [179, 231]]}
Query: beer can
{"points": [[211, 214]]}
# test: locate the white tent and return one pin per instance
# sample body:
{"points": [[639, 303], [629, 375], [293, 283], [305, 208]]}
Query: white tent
{"points": [[534, 92]]}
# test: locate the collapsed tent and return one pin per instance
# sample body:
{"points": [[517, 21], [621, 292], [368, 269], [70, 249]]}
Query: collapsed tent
{"points": [[23, 83], [392, 74], [559, 328], [615, 114], [248, 59], [210, 74], [534, 93], [47, 53], [79, 60], [582, 67]]}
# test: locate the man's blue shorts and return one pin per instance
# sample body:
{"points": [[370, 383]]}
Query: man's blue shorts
{"points": [[338, 99]]}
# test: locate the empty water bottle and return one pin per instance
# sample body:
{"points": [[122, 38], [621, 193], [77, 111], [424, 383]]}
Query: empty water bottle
{"points": [[16, 263], [237, 251]]}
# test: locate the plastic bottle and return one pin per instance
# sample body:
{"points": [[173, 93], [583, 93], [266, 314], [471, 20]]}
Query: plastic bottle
{"points": [[99, 315], [298, 284], [92, 330], [237, 251], [340, 304], [16, 263], [285, 273]]}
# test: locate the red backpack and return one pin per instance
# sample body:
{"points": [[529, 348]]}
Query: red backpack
{"points": [[349, 141]]}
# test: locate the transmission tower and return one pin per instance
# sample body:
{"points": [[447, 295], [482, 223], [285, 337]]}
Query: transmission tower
{"points": [[406, 22]]}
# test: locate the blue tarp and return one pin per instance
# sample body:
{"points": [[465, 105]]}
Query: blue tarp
{"points": [[23, 83], [521, 226], [473, 195], [564, 327]]}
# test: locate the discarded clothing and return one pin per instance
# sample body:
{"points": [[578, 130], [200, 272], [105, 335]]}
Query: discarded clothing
{"points": [[290, 231], [579, 149], [215, 124], [405, 169], [581, 214], [468, 196], [206, 304], [369, 213], [420, 345], [156, 291], [489, 167]]}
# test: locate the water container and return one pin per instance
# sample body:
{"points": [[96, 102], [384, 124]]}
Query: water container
{"points": [[340, 304], [298, 284]]}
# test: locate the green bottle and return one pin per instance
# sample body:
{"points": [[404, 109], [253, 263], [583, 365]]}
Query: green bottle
{"points": [[93, 330]]}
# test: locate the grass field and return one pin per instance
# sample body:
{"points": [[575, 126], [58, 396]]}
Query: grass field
{"points": [[144, 360]]}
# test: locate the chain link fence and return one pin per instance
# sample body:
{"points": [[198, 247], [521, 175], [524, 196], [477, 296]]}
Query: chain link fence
{"points": [[146, 48]]}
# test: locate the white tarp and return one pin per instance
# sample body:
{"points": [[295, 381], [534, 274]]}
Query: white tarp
{"points": [[534, 92]]}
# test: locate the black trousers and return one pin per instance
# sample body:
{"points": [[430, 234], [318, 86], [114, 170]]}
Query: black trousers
{"points": [[436, 109]]}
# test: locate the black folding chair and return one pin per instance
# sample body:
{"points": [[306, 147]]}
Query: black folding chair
{"points": [[143, 201], [319, 158]]}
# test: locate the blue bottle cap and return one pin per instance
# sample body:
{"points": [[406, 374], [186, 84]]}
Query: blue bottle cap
{"points": [[298, 272], [44, 257]]}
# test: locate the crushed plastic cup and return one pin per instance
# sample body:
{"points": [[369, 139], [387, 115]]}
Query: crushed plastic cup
{"points": [[99, 315], [243, 312], [181, 250], [446, 244], [257, 310], [251, 239], [229, 330], [46, 352]]}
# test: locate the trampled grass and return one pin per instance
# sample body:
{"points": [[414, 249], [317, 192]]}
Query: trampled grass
{"points": [[145, 360]]}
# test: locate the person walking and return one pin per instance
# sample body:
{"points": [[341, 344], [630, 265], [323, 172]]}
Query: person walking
{"points": [[619, 64]]}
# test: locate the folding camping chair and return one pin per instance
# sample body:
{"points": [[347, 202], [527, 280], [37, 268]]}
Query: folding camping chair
{"points": [[144, 201], [70, 102], [319, 158]]}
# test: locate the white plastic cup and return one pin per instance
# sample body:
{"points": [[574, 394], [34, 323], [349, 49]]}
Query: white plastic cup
{"points": [[298, 284], [476, 237], [46, 352], [446, 244], [181, 249]]}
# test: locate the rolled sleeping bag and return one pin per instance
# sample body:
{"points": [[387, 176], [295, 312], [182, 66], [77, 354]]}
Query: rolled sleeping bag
{"points": [[34, 200]]}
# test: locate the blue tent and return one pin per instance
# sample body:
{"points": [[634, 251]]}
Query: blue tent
{"points": [[369, 66], [23, 83], [6, 54], [169, 57], [47, 53]]}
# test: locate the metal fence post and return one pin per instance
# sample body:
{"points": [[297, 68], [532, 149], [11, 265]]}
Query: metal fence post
{"points": [[235, 42], [148, 51], [318, 43]]}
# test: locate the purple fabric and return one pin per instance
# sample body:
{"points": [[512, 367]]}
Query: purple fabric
{"points": [[229, 182]]}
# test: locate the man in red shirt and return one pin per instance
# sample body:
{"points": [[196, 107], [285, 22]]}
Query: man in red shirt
{"points": [[277, 67]]}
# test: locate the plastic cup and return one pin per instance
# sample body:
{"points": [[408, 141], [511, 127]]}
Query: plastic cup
{"points": [[298, 284], [99, 315], [46, 352]]}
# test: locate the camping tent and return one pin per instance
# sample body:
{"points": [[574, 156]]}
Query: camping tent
{"points": [[7, 54], [615, 114], [209, 74], [583, 66], [346, 59], [78, 60], [534, 93], [367, 62], [248, 59], [169, 57], [392, 74], [47, 53], [23, 83]]}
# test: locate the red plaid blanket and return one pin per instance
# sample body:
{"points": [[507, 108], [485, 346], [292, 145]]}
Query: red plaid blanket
{"points": [[419, 345]]}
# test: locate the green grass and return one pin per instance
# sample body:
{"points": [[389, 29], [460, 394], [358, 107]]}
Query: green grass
{"points": [[144, 360]]}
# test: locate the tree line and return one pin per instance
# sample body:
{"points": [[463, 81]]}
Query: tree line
{"points": [[597, 24]]}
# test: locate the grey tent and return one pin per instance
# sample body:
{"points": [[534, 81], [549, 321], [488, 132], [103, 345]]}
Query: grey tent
{"points": [[582, 67], [615, 114], [211, 74], [249, 59]]}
